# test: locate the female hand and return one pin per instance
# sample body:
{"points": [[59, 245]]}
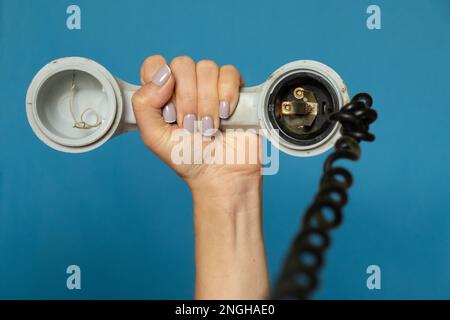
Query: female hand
{"points": [[191, 94], [230, 255]]}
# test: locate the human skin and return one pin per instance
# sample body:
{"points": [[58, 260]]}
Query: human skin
{"points": [[230, 256]]}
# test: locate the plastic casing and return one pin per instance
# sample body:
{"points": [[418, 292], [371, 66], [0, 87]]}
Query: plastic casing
{"points": [[251, 111]]}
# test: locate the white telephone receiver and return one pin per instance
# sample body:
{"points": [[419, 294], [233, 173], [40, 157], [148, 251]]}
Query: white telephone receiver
{"points": [[295, 101]]}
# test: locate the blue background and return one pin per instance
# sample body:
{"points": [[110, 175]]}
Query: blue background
{"points": [[122, 215]]}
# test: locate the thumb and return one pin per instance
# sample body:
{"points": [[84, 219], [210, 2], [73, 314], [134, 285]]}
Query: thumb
{"points": [[157, 89]]}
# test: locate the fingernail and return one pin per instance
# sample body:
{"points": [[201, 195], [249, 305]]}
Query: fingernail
{"points": [[161, 77], [224, 109], [189, 122], [207, 126], [169, 113]]}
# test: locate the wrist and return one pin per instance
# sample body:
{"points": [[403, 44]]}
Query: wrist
{"points": [[230, 254], [229, 208], [228, 189], [220, 203]]}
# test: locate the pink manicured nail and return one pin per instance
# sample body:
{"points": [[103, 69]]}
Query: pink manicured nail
{"points": [[160, 78], [169, 113], [224, 109], [189, 122], [207, 126]]}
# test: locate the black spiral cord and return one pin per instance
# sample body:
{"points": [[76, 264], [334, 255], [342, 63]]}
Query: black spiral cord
{"points": [[299, 276]]}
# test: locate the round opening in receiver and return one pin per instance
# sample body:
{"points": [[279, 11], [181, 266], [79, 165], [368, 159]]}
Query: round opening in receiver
{"points": [[73, 108], [299, 105], [74, 104]]}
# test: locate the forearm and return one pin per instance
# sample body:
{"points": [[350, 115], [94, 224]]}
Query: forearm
{"points": [[229, 245]]}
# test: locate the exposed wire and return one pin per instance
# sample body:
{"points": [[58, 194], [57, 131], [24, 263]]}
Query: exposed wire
{"points": [[82, 123]]}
